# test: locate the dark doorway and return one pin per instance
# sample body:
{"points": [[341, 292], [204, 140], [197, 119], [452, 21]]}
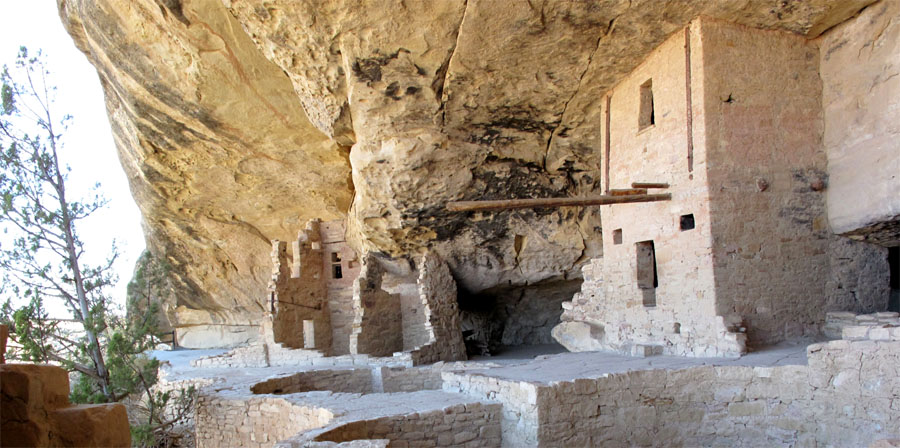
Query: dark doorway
{"points": [[894, 263]]}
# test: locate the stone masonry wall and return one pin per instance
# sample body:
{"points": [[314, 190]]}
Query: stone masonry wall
{"points": [[437, 293], [845, 397], [473, 425], [744, 244], [298, 291], [256, 422], [415, 330], [772, 246], [859, 65], [358, 381], [519, 416], [377, 322], [339, 290], [675, 314]]}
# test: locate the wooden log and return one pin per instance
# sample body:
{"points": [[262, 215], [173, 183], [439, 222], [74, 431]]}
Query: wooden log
{"points": [[627, 191], [509, 204], [649, 185]]}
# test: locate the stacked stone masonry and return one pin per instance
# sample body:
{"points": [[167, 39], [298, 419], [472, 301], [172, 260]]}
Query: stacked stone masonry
{"points": [[883, 326], [844, 397], [743, 254], [471, 425]]}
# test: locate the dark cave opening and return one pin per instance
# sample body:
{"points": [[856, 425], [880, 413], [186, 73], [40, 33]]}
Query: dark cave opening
{"points": [[506, 317]]}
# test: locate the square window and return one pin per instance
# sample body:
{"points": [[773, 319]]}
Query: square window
{"points": [[686, 222], [617, 236]]}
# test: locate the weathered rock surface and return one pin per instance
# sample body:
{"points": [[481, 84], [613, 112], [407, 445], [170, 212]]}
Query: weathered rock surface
{"points": [[35, 411], [219, 153], [239, 120], [860, 73]]}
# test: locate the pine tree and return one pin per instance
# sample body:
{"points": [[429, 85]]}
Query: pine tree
{"points": [[41, 254]]}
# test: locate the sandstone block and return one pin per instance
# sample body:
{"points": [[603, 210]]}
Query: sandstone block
{"points": [[746, 409], [855, 333]]}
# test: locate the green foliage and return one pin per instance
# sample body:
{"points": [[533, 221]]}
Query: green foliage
{"points": [[41, 258], [163, 410], [40, 251], [149, 282]]}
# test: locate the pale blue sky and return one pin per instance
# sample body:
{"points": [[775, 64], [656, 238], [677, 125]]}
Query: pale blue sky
{"points": [[89, 147]]}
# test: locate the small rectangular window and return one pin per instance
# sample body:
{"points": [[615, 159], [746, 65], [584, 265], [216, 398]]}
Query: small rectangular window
{"points": [[335, 257], [647, 116], [686, 222], [336, 271], [617, 236]]}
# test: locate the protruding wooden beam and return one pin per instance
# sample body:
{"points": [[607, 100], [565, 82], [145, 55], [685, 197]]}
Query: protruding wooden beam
{"points": [[627, 191], [649, 185], [509, 204]]}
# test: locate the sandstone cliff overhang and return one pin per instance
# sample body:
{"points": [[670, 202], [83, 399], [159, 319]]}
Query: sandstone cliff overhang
{"points": [[237, 121]]}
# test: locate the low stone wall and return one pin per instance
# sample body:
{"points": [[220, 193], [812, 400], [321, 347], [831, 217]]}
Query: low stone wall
{"points": [[472, 425], [846, 396], [368, 443], [409, 379], [249, 356], [401, 379], [354, 381], [360, 380], [884, 326], [255, 422], [262, 355], [519, 415]]}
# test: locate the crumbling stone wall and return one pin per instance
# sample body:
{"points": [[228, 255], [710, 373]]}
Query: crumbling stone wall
{"points": [[339, 290], [297, 293], [377, 323], [412, 310], [311, 293], [437, 294]]}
